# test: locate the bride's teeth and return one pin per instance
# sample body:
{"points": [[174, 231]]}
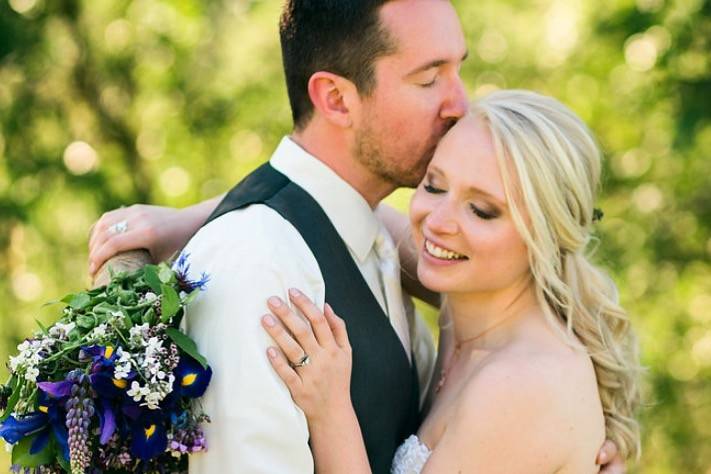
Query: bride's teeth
{"points": [[439, 252]]}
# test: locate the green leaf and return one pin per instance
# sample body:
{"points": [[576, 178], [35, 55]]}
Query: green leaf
{"points": [[14, 398], [187, 345], [85, 322], [149, 316], [42, 326], [67, 298], [80, 300], [63, 462], [165, 273], [150, 274], [191, 296], [170, 303], [21, 453]]}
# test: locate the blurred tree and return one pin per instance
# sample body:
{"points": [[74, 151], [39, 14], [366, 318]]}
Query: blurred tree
{"points": [[104, 103]]}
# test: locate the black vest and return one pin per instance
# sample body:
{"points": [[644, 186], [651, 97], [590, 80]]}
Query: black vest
{"points": [[384, 387]]}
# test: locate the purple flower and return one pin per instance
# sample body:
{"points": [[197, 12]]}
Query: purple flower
{"points": [[182, 270], [80, 410], [148, 436], [191, 380], [46, 423]]}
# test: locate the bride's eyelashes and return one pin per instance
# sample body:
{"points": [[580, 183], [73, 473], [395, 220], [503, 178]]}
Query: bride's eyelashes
{"points": [[431, 189], [479, 212], [486, 215]]}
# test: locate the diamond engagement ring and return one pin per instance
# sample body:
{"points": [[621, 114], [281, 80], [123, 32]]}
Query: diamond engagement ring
{"points": [[303, 362], [118, 228]]}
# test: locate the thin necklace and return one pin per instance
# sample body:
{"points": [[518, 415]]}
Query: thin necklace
{"points": [[458, 349]]}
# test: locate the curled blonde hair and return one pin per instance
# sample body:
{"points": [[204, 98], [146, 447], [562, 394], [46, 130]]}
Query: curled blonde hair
{"points": [[550, 166]]}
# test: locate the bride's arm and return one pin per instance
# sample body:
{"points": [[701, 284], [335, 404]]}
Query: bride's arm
{"points": [[321, 388], [398, 225], [163, 231]]}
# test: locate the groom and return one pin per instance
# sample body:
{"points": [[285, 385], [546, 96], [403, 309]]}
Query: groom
{"points": [[358, 75], [373, 86]]}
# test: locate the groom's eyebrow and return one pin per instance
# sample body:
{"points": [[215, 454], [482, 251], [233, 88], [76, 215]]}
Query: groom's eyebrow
{"points": [[434, 64]]}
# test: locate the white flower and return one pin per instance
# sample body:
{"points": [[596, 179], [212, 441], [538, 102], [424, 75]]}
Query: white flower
{"points": [[61, 330], [135, 391], [150, 296], [153, 399], [31, 374], [99, 331], [15, 362], [23, 346]]}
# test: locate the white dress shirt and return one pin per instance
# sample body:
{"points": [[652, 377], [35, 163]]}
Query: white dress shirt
{"points": [[251, 254]]}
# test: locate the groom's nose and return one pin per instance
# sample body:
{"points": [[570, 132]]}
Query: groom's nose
{"points": [[456, 103]]}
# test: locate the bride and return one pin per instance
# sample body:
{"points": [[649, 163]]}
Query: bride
{"points": [[537, 362], [537, 359]]}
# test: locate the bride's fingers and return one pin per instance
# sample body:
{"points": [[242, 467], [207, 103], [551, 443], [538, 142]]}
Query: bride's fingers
{"points": [[286, 343], [100, 230], [284, 370], [297, 326], [338, 326], [319, 324]]}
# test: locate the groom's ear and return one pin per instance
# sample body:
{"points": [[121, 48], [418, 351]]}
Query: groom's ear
{"points": [[333, 96]]}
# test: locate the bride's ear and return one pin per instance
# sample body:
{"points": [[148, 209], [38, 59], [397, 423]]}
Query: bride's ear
{"points": [[333, 97]]}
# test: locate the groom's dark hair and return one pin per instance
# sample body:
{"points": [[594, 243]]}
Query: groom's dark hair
{"points": [[343, 37]]}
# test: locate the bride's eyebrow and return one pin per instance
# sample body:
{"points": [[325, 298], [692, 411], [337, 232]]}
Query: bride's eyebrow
{"points": [[474, 191]]}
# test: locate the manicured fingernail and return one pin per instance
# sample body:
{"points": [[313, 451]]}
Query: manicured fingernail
{"points": [[274, 301], [294, 292], [268, 320], [271, 352]]}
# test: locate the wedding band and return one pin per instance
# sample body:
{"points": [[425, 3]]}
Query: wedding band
{"points": [[118, 228], [303, 362]]}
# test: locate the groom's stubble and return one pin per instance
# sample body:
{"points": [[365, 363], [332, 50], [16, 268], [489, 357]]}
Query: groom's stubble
{"points": [[397, 161]]}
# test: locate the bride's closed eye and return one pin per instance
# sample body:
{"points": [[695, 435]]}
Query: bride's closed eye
{"points": [[482, 214], [431, 189]]}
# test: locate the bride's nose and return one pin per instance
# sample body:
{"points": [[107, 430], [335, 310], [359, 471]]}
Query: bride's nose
{"points": [[442, 219]]}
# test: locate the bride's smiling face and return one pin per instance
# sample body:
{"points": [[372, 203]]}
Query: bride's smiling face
{"points": [[466, 238]]}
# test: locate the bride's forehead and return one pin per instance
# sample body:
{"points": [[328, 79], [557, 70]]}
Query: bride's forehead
{"points": [[466, 156]]}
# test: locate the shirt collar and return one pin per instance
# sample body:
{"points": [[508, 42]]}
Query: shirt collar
{"points": [[349, 212]]}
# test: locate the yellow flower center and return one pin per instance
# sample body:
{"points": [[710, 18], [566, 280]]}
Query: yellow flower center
{"points": [[107, 353], [149, 431], [43, 409], [120, 383], [188, 379]]}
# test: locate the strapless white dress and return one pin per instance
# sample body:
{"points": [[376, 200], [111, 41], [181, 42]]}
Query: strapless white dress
{"points": [[410, 457]]}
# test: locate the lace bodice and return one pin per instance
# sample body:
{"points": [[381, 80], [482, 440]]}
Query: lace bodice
{"points": [[410, 457]]}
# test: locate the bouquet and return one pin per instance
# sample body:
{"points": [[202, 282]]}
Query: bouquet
{"points": [[111, 386]]}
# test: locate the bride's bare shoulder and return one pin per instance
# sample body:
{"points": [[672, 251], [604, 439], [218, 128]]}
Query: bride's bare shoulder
{"points": [[534, 403]]}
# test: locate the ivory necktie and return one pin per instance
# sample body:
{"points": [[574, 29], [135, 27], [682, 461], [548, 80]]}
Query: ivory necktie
{"points": [[389, 265]]}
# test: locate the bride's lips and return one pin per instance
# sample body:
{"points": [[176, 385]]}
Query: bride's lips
{"points": [[438, 254]]}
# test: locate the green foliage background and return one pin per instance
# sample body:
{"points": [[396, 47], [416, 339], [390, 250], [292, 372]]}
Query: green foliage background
{"points": [[111, 102]]}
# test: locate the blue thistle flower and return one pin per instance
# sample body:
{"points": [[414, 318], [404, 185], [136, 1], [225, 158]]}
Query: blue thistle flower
{"points": [[182, 271]]}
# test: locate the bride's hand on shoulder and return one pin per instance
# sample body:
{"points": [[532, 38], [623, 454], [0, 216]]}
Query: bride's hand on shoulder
{"points": [[162, 231], [313, 360]]}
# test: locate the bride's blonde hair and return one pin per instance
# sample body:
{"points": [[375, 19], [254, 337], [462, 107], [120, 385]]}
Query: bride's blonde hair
{"points": [[550, 165]]}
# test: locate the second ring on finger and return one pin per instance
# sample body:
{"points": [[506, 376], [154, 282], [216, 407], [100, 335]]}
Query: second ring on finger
{"points": [[286, 342]]}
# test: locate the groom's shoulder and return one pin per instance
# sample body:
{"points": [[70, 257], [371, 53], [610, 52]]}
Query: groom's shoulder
{"points": [[250, 229]]}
